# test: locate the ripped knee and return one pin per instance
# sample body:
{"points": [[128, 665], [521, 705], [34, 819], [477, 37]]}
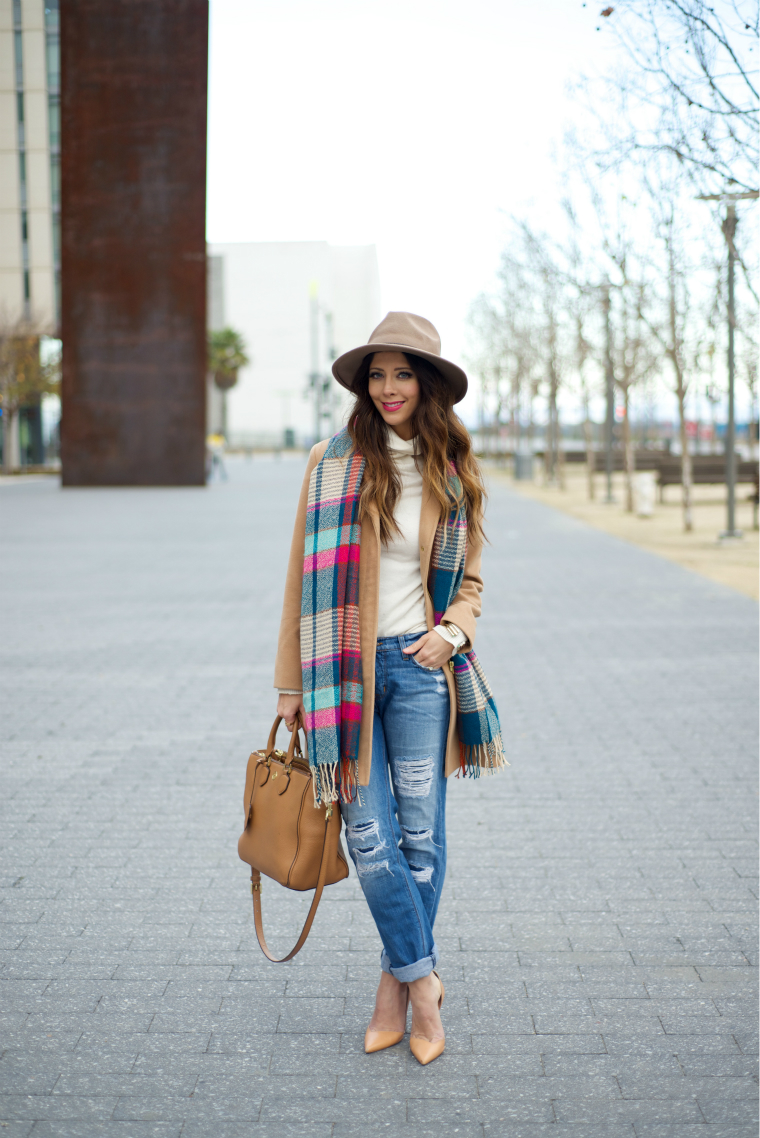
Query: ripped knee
{"points": [[413, 778], [366, 846], [370, 868], [422, 874], [416, 835], [362, 831], [414, 839]]}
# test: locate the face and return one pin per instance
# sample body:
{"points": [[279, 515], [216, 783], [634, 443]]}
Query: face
{"points": [[395, 390]]}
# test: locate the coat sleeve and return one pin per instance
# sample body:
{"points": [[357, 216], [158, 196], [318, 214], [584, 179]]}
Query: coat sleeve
{"points": [[287, 668], [465, 607]]}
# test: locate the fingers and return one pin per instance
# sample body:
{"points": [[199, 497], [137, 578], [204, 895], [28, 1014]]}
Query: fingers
{"points": [[296, 719], [413, 648], [431, 650]]}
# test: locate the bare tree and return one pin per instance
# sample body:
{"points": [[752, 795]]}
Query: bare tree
{"points": [[691, 90], [633, 351], [545, 280], [634, 363], [488, 346], [670, 333], [582, 354], [503, 333], [748, 361], [24, 379], [581, 302]]}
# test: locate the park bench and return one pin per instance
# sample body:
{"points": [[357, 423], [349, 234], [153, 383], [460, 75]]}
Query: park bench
{"points": [[643, 459], [707, 470]]}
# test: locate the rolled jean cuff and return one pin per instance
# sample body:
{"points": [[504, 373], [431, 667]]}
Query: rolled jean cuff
{"points": [[409, 972]]}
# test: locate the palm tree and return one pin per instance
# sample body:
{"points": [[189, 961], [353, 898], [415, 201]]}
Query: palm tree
{"points": [[226, 355]]}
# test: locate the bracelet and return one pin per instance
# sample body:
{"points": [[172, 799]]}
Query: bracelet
{"points": [[452, 634]]}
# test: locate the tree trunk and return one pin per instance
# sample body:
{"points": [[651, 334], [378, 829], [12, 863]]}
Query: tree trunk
{"points": [[675, 357], [559, 451], [628, 454], [11, 455], [552, 459], [590, 458], [685, 462], [549, 441], [531, 433]]}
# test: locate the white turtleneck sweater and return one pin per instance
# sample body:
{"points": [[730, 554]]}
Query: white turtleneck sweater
{"points": [[402, 595]]}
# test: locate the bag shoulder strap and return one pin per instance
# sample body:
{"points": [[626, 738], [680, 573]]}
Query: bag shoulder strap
{"points": [[256, 892]]}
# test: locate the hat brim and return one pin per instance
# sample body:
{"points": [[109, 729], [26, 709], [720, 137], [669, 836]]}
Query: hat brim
{"points": [[346, 366]]}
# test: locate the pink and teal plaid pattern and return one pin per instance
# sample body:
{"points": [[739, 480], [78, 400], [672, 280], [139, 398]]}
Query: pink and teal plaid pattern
{"points": [[330, 645], [480, 741], [331, 663]]}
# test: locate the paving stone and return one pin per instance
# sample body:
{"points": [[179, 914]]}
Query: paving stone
{"points": [[382, 1111], [697, 1130], [681, 1045], [347, 1128], [108, 1129], [718, 1111], [557, 1130], [56, 1108], [640, 1113], [171, 1108], [604, 940], [716, 1087], [538, 1044], [504, 1112], [746, 1040], [200, 1129]]}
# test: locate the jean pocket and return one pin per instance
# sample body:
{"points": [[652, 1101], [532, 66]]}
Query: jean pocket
{"points": [[422, 666]]}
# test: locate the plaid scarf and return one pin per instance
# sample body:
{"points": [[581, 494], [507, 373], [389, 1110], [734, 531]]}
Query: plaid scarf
{"points": [[330, 646]]}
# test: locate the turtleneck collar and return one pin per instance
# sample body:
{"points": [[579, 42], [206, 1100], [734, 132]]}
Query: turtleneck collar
{"points": [[397, 445]]}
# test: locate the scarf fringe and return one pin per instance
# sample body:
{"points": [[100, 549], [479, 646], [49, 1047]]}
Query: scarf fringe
{"points": [[485, 758], [330, 785]]}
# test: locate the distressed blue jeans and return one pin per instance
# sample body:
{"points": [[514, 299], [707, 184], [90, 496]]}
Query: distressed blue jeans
{"points": [[396, 828]]}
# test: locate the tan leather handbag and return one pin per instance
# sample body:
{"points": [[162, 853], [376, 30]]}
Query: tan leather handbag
{"points": [[285, 836]]}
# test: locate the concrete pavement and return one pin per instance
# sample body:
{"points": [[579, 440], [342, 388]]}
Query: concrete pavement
{"points": [[598, 921]]}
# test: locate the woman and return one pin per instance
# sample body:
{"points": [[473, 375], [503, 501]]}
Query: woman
{"points": [[382, 593]]}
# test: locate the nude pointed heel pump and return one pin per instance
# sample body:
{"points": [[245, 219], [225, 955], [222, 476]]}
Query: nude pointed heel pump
{"points": [[423, 1050], [379, 1040]]}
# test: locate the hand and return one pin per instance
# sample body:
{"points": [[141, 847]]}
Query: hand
{"points": [[289, 706], [431, 650]]}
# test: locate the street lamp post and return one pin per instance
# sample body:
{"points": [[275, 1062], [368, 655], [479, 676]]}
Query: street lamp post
{"points": [[314, 376], [320, 382], [729, 232], [609, 382]]}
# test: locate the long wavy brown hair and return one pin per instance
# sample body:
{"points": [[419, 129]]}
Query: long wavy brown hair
{"points": [[440, 438]]}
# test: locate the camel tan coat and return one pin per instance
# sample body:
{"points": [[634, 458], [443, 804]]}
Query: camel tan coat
{"points": [[463, 611]]}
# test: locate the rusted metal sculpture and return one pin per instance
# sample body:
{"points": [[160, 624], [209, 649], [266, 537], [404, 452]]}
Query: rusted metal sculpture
{"points": [[133, 157]]}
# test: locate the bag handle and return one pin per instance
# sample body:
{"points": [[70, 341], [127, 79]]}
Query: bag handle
{"points": [[256, 876], [297, 726], [256, 892]]}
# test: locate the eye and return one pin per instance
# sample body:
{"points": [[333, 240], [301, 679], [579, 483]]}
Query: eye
{"points": [[405, 375]]}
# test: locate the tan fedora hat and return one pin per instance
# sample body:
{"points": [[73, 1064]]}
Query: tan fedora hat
{"points": [[402, 332]]}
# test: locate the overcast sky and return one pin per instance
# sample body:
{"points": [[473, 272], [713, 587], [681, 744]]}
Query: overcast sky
{"points": [[417, 126]]}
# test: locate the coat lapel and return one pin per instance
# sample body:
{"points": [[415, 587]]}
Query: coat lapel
{"points": [[428, 526]]}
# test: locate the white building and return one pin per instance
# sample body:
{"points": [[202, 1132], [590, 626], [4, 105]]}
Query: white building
{"points": [[298, 305], [29, 163]]}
